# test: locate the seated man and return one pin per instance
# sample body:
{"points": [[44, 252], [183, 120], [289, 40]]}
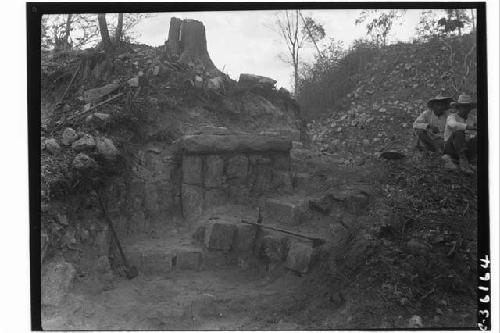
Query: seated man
{"points": [[457, 147], [429, 126]]}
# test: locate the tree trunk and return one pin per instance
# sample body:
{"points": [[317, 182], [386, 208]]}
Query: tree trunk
{"points": [[194, 45], [119, 29], [68, 32], [103, 28], [187, 43]]}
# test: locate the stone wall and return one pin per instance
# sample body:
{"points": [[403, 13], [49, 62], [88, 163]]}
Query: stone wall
{"points": [[231, 169]]}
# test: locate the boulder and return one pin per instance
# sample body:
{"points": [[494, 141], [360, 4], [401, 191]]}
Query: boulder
{"points": [[216, 83], [96, 94], [56, 281], [252, 80], [299, 257], [106, 148], [234, 143], [52, 146], [85, 143], [84, 162], [69, 136], [219, 235], [198, 81]]}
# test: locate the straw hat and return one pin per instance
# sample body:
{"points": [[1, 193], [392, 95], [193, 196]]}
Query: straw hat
{"points": [[439, 98], [464, 100]]}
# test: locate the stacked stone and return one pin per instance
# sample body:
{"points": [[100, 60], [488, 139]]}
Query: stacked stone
{"points": [[222, 169]]}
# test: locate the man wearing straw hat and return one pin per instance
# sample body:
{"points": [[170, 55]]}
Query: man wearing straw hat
{"points": [[429, 126], [458, 148]]}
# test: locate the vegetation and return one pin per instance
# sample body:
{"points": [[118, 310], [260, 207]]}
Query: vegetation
{"points": [[335, 71]]}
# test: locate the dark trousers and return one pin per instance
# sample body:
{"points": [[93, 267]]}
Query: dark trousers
{"points": [[458, 145], [426, 142]]}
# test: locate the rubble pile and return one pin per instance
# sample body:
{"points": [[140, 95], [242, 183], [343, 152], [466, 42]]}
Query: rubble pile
{"points": [[389, 95]]}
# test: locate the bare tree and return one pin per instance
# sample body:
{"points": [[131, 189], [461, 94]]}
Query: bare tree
{"points": [[296, 30]]}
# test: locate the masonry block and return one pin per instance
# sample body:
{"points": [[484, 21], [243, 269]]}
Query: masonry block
{"points": [[287, 211], [188, 259], [192, 201], [214, 172], [237, 168], [219, 235], [244, 240], [192, 166], [299, 257]]}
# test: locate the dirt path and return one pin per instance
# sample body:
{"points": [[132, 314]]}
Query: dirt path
{"points": [[223, 299]]}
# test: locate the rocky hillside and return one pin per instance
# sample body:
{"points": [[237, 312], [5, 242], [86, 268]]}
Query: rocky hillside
{"points": [[390, 91]]}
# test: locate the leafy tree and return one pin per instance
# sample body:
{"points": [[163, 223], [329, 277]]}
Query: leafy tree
{"points": [[379, 23], [445, 23], [82, 30]]}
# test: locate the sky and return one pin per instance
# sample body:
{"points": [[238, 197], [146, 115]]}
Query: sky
{"points": [[245, 42]]}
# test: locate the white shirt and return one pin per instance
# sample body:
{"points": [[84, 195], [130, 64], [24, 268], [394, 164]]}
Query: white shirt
{"points": [[454, 123]]}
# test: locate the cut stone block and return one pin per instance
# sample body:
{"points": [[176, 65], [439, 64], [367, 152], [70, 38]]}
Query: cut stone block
{"points": [[281, 161], [273, 247], [232, 143], [215, 197], [356, 203], [214, 173], [192, 201], [189, 259], [287, 211], [150, 260], [282, 180], [262, 175], [192, 169], [244, 239], [301, 180], [219, 235], [299, 257], [56, 281], [237, 167]]}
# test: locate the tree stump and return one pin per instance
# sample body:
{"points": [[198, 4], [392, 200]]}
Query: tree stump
{"points": [[187, 44]]}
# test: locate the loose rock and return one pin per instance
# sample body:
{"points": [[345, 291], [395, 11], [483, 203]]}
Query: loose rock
{"points": [[84, 162], [85, 143], [52, 146], [69, 136]]}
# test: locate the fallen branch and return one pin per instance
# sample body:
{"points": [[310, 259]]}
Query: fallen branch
{"points": [[95, 106]]}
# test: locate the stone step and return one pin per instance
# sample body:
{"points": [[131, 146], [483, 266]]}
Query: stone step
{"points": [[155, 257], [243, 240], [286, 210]]}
